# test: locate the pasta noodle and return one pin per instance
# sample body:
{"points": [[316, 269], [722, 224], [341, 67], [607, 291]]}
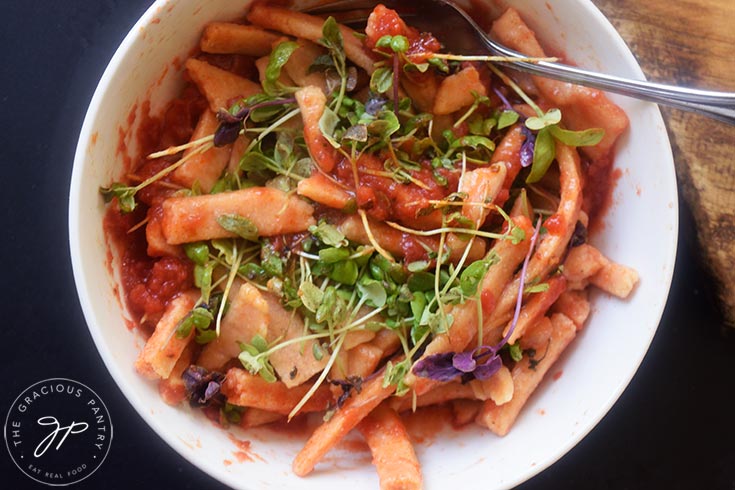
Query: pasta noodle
{"points": [[367, 229]]}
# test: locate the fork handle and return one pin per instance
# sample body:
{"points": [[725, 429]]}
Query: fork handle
{"points": [[717, 105]]}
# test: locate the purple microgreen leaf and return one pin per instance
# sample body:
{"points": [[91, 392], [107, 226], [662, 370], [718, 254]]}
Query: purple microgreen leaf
{"points": [[579, 236], [464, 361], [231, 124], [225, 117], [227, 133], [347, 385], [486, 369], [212, 389], [438, 367], [202, 386], [528, 147], [375, 104]]}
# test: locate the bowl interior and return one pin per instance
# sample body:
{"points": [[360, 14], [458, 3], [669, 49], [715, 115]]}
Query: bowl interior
{"points": [[595, 369]]}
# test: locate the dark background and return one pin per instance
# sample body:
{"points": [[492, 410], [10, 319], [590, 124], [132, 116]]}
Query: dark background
{"points": [[672, 428]]}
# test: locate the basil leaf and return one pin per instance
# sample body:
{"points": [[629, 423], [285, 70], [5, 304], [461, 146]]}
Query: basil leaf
{"points": [[278, 59], [588, 137], [381, 80], [543, 154], [239, 225]]}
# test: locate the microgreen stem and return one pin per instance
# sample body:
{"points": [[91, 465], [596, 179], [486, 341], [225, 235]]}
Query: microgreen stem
{"points": [[271, 128], [459, 231], [521, 287], [228, 286], [173, 150], [518, 90], [202, 149], [319, 380], [371, 237]]}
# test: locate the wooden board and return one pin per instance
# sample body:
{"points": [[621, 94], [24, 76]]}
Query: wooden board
{"points": [[692, 43]]}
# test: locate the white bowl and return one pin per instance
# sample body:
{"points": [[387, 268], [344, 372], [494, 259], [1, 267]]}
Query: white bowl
{"points": [[640, 231]]}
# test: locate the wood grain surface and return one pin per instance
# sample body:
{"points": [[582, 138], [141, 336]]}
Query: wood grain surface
{"points": [[692, 43]]}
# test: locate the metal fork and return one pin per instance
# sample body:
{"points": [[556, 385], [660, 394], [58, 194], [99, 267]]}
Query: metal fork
{"points": [[461, 35]]}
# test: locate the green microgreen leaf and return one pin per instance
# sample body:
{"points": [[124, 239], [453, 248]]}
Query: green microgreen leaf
{"points": [[345, 272], [515, 351], [278, 59], [550, 118], [125, 196], [399, 44], [328, 234], [253, 357], [311, 296], [395, 374], [225, 250], [506, 119], [239, 225], [381, 80], [473, 275], [385, 126], [333, 255], [373, 291], [200, 318], [588, 137], [536, 288], [328, 126], [203, 279], [543, 154], [317, 351], [197, 252]]}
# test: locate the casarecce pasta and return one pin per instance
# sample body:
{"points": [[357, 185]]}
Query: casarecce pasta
{"points": [[358, 225]]}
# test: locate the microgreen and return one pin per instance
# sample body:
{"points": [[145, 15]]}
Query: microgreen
{"points": [[252, 358], [381, 81], [483, 361], [278, 59], [333, 41], [202, 386], [239, 225], [395, 374], [515, 351]]}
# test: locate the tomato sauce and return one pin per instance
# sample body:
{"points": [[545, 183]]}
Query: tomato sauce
{"points": [[600, 181], [386, 22], [149, 283]]}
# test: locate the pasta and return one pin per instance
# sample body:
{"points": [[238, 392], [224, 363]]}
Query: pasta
{"points": [[355, 226]]}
